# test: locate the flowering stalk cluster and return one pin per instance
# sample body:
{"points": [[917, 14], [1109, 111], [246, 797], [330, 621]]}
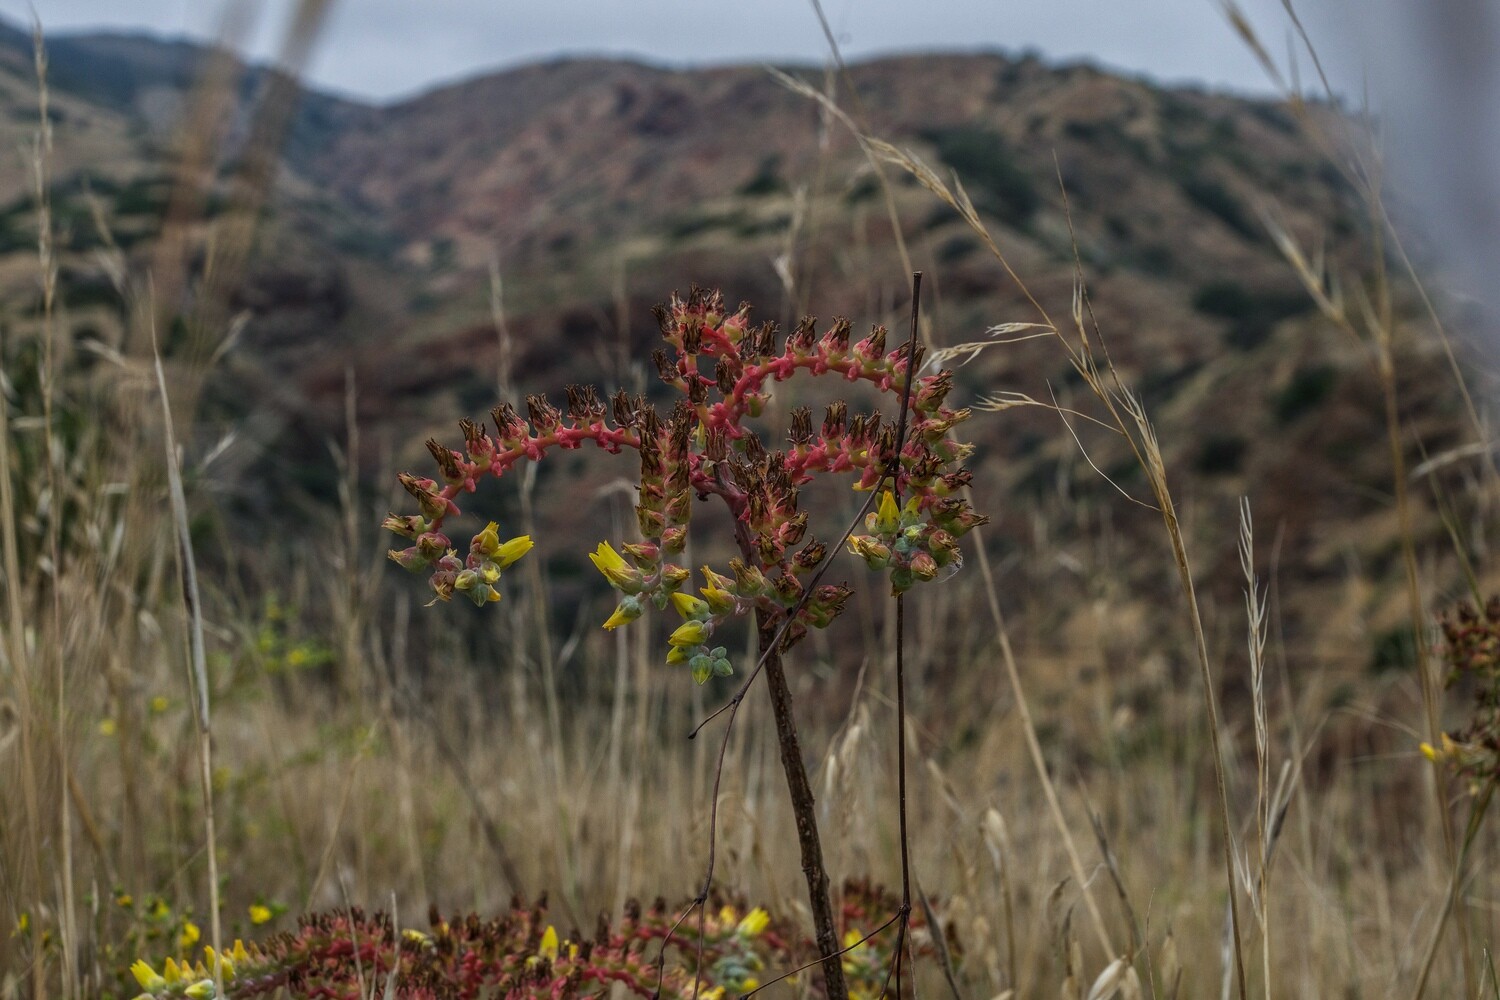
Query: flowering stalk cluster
{"points": [[723, 369], [519, 955], [1471, 647]]}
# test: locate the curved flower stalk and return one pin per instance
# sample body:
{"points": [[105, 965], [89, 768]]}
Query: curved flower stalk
{"points": [[724, 368]]}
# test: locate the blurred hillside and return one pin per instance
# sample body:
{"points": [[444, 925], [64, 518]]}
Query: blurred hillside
{"points": [[593, 188]]}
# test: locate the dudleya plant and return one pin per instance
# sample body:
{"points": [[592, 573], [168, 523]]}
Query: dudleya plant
{"points": [[723, 368]]}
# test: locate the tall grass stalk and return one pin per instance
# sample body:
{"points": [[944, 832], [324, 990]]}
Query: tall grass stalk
{"points": [[197, 659], [52, 456]]}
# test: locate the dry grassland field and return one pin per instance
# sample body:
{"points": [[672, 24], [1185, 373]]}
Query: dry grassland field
{"points": [[389, 491]]}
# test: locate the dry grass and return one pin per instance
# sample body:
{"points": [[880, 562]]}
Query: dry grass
{"points": [[358, 751]]}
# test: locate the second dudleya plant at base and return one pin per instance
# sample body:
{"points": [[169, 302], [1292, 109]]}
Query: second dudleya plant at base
{"points": [[713, 444]]}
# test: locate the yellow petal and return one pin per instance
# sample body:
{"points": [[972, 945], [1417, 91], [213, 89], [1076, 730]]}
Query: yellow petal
{"points": [[754, 923], [689, 606], [548, 947], [628, 611], [889, 516], [513, 550], [147, 977], [690, 634], [609, 562]]}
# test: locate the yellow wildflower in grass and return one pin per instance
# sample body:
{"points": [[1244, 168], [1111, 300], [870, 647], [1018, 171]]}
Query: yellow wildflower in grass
{"points": [[754, 923], [189, 935], [259, 914], [148, 977], [203, 989], [172, 973], [108, 727], [160, 704]]}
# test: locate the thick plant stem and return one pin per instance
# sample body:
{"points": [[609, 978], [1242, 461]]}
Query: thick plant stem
{"points": [[825, 931]]}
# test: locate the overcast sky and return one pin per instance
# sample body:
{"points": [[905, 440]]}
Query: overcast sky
{"points": [[381, 49]]}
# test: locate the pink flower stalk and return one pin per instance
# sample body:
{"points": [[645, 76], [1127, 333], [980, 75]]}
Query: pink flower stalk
{"points": [[724, 368]]}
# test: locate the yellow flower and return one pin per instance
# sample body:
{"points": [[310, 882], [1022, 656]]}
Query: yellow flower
{"points": [[629, 610], [226, 964], [615, 569], [508, 553], [160, 704], [189, 936], [259, 914], [203, 989], [487, 543], [147, 976], [172, 974], [720, 598], [548, 948], [888, 519], [108, 727], [754, 923], [125, 900], [678, 654], [748, 984], [690, 634], [238, 953], [689, 606]]}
